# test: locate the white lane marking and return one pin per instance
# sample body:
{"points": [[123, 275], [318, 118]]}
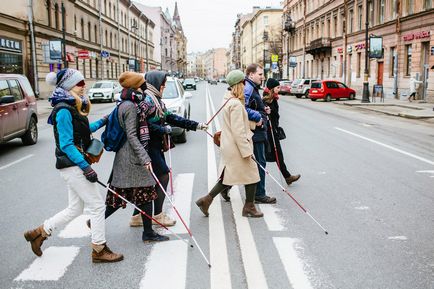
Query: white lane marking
{"points": [[156, 267], [183, 188], [293, 265], [252, 263], [398, 238], [220, 275], [425, 172], [272, 219], [16, 162], [51, 266], [362, 208], [387, 146], [77, 228]]}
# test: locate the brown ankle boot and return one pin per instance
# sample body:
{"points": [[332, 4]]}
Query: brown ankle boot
{"points": [[249, 210], [36, 237], [204, 203], [103, 254]]}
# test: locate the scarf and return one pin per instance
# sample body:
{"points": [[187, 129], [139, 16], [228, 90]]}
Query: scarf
{"points": [[62, 95], [143, 110], [155, 95]]}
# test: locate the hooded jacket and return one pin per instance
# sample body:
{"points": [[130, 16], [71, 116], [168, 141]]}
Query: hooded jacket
{"points": [[255, 110]]}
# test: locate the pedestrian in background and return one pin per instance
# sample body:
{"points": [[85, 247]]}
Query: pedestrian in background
{"points": [[270, 98], [131, 176], [236, 164], [256, 111], [72, 134], [160, 128], [414, 85]]}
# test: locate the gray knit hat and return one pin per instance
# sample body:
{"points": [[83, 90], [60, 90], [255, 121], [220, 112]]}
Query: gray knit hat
{"points": [[66, 78]]}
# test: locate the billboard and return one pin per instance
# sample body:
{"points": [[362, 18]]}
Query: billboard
{"points": [[375, 47], [55, 49]]}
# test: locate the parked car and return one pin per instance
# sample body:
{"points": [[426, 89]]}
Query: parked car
{"points": [[285, 86], [104, 90], [189, 83], [177, 101], [330, 89], [222, 80], [18, 110], [212, 81], [301, 87]]}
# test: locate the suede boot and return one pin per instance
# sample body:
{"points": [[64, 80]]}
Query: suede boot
{"points": [[136, 221], [36, 237], [103, 254], [204, 203], [289, 180], [249, 210], [164, 219]]}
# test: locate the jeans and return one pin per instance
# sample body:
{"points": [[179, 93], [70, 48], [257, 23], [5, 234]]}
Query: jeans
{"points": [[81, 193], [259, 152]]}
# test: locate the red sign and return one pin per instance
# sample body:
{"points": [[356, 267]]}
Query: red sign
{"points": [[340, 50], [83, 54], [360, 46], [417, 35]]}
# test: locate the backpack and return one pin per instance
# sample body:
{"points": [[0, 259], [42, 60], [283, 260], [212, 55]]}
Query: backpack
{"points": [[113, 136]]}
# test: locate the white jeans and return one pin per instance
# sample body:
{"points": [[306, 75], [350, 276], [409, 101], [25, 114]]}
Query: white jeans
{"points": [[81, 193]]}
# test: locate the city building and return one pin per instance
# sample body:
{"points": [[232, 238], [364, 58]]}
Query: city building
{"points": [[102, 39], [181, 43], [191, 64], [327, 40]]}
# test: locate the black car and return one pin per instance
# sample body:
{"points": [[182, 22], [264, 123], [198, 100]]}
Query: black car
{"points": [[189, 83], [212, 81]]}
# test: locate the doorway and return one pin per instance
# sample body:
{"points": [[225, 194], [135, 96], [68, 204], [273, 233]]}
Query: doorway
{"points": [[380, 71]]}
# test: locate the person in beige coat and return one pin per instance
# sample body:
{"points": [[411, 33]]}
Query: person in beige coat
{"points": [[236, 164]]}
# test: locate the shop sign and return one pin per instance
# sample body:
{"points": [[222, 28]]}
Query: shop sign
{"points": [[340, 50], [360, 46], [349, 49], [9, 44], [417, 35], [83, 54]]}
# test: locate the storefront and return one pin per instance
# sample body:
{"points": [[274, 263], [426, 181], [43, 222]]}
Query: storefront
{"points": [[11, 56]]}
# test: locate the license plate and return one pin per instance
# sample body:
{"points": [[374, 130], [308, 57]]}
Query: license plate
{"points": [[315, 91], [98, 95]]}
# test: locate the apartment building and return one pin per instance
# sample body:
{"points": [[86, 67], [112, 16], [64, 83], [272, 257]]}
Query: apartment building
{"points": [[327, 40]]}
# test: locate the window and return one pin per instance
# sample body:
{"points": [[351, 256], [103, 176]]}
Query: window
{"points": [[394, 10], [371, 13], [341, 85], [381, 12], [82, 28], [105, 7], [56, 15], [15, 89], [335, 30], [48, 4], [410, 5], [408, 60], [106, 38], [75, 23], [111, 40], [84, 68], [360, 17], [350, 24], [265, 20], [331, 84], [392, 61], [110, 10], [96, 67], [90, 68], [427, 4], [359, 64], [122, 16], [89, 31], [4, 88], [96, 34]]}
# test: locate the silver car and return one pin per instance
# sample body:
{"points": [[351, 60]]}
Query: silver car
{"points": [[104, 90], [177, 102], [300, 87]]}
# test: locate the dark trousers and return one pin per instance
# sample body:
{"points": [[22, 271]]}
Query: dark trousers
{"points": [[280, 161], [220, 187], [259, 152], [147, 208]]}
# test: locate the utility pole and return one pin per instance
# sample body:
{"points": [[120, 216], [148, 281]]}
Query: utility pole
{"points": [[365, 97], [65, 62], [33, 47], [304, 40], [344, 28], [101, 76], [119, 37]]}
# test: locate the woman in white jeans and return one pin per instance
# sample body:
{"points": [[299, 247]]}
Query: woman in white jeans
{"points": [[72, 133]]}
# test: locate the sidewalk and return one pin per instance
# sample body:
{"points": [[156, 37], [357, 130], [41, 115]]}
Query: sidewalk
{"points": [[44, 107], [401, 108]]}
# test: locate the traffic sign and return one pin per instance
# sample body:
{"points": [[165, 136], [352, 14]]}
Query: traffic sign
{"points": [[274, 57], [105, 54]]}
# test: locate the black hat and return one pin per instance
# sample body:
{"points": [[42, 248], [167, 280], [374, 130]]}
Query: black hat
{"points": [[272, 83]]}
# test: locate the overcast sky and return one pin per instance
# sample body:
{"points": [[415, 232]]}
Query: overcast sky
{"points": [[209, 23]]}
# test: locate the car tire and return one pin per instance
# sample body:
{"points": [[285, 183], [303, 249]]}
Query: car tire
{"points": [[30, 137], [298, 96], [328, 98], [313, 99], [352, 96], [306, 94]]}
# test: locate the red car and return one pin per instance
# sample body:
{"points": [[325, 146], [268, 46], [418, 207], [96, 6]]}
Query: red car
{"points": [[330, 89], [285, 87], [18, 112]]}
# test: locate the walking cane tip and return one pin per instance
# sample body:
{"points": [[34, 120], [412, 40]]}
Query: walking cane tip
{"points": [[191, 245], [209, 265], [326, 232]]}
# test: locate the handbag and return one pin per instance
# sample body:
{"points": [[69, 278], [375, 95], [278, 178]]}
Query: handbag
{"points": [[166, 143], [94, 151], [281, 133], [216, 137]]}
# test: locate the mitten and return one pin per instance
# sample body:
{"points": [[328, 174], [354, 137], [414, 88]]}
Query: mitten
{"points": [[90, 174], [202, 126]]}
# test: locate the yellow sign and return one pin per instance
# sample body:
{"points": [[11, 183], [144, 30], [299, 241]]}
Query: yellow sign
{"points": [[274, 57]]}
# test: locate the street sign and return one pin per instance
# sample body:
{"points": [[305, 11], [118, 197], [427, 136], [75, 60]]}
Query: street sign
{"points": [[274, 57], [105, 54], [274, 65], [267, 65], [83, 54], [292, 61]]}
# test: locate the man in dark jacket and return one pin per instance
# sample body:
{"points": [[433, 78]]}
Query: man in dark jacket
{"points": [[257, 112]]}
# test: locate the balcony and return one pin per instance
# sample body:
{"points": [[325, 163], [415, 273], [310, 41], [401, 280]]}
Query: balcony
{"points": [[319, 45]]}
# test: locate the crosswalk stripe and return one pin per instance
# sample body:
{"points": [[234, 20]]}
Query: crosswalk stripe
{"points": [[272, 219], [156, 268], [219, 272], [77, 228], [293, 265], [51, 266]]}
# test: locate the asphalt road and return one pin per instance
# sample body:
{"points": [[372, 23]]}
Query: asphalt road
{"points": [[367, 178]]}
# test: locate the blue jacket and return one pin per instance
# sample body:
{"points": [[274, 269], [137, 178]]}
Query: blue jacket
{"points": [[255, 110]]}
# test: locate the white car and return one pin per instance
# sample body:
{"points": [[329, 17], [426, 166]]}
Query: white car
{"points": [[104, 90]]}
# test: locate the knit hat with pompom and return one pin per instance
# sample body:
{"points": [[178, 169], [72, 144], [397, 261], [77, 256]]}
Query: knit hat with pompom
{"points": [[66, 78]]}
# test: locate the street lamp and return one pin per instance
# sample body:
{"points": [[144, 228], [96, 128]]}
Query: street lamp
{"points": [[289, 27], [265, 38], [365, 96], [135, 27]]}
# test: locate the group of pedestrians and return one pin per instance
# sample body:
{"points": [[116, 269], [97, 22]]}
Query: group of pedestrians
{"points": [[140, 164]]}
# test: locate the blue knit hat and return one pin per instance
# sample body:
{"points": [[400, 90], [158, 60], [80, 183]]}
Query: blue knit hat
{"points": [[66, 78]]}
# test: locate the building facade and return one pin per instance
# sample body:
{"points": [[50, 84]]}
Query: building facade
{"points": [[181, 43], [327, 40], [102, 39]]}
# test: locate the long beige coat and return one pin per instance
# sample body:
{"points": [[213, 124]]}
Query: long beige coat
{"points": [[236, 145]]}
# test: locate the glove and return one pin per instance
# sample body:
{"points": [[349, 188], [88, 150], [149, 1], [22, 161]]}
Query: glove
{"points": [[167, 129], [148, 166], [90, 174], [202, 126]]}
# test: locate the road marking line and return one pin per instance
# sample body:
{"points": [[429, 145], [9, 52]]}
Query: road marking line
{"points": [[362, 208], [293, 265], [77, 228], [156, 267], [398, 238], [272, 219], [17, 161], [51, 266], [183, 187], [388, 146], [425, 172], [220, 275], [252, 263]]}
